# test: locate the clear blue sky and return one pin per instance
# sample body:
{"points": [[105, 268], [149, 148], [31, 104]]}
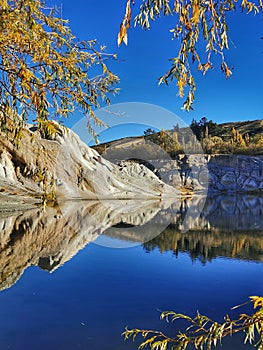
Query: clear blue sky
{"points": [[146, 58]]}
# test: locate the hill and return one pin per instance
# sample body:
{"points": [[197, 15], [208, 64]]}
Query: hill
{"points": [[201, 137], [252, 128]]}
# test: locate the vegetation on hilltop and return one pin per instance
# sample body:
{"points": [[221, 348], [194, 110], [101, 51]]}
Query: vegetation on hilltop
{"points": [[202, 136], [229, 138]]}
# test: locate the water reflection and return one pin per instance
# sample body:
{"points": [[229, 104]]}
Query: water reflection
{"points": [[209, 244], [227, 226]]}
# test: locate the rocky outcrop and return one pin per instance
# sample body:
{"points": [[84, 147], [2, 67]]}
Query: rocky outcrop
{"points": [[68, 169], [215, 173], [82, 173], [236, 173]]}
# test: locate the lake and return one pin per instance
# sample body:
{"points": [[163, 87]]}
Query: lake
{"points": [[74, 276]]}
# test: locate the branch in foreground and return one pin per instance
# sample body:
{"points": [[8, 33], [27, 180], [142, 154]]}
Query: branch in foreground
{"points": [[203, 332]]}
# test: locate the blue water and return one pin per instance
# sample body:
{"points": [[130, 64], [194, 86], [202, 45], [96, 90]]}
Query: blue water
{"points": [[87, 303]]}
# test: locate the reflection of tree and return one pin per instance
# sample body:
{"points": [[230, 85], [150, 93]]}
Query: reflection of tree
{"points": [[206, 245]]}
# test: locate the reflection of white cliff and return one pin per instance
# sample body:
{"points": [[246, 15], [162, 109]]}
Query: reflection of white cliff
{"points": [[242, 212], [51, 237], [48, 238]]}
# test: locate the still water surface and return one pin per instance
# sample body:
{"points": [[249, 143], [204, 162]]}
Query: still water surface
{"points": [[94, 290]]}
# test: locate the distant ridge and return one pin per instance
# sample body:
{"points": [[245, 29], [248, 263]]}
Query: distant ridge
{"points": [[252, 129]]}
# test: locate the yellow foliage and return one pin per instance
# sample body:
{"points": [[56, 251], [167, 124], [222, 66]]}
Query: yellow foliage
{"points": [[49, 129], [203, 331], [125, 24], [237, 138], [181, 84], [45, 70], [195, 16], [257, 301], [196, 22]]}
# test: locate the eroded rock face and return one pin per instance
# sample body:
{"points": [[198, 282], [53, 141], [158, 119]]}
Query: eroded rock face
{"points": [[70, 169], [82, 173], [215, 173], [236, 173]]}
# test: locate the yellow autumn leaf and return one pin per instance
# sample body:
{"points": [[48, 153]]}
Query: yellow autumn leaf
{"points": [[128, 12], [195, 16], [125, 24], [4, 4], [257, 301], [122, 35], [228, 72], [35, 99], [206, 66], [181, 84]]}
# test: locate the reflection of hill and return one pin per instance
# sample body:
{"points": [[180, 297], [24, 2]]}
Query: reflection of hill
{"points": [[208, 244], [229, 226], [228, 212], [243, 212]]}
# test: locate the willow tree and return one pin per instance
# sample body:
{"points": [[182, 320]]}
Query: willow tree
{"points": [[202, 332], [45, 72], [195, 21]]}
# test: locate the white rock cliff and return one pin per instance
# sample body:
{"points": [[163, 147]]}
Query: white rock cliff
{"points": [[70, 169]]}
